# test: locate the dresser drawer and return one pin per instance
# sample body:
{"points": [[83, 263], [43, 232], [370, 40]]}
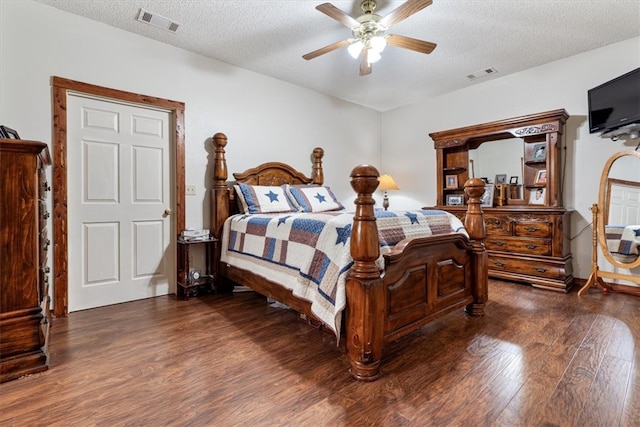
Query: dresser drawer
{"points": [[497, 225], [520, 245], [526, 267], [532, 229]]}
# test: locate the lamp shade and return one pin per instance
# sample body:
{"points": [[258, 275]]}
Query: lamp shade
{"points": [[387, 183]]}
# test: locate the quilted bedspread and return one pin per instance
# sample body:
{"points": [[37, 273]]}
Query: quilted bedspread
{"points": [[309, 253], [623, 240]]}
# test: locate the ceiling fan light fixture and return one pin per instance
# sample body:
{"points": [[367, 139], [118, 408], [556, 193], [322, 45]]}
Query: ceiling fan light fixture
{"points": [[378, 43], [355, 49], [369, 32], [373, 56]]}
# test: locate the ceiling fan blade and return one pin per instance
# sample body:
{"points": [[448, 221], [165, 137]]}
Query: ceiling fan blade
{"points": [[410, 43], [365, 67], [326, 49], [404, 11], [333, 12]]}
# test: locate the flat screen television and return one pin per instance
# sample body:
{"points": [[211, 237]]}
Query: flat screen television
{"points": [[615, 104]]}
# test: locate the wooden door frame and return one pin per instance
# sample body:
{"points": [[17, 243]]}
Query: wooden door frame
{"points": [[60, 88]]}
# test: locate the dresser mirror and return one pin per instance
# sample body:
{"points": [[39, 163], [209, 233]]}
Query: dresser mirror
{"points": [[619, 213], [501, 157]]}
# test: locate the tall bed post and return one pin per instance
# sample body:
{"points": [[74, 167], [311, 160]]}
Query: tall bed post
{"points": [[220, 192], [219, 200], [474, 224], [364, 287]]}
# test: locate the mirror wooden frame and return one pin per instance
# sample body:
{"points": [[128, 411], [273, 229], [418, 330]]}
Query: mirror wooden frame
{"points": [[599, 210]]}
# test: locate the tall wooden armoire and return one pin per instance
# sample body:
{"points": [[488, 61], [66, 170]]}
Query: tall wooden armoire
{"points": [[24, 300]]}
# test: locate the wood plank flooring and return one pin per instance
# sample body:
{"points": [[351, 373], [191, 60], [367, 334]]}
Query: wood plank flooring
{"points": [[538, 358]]}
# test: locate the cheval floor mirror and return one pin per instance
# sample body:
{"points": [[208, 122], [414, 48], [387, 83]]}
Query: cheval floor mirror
{"points": [[616, 225]]}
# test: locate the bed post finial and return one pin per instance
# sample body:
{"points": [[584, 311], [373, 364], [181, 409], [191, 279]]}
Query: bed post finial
{"points": [[220, 163], [317, 176], [474, 224], [474, 221], [365, 292]]}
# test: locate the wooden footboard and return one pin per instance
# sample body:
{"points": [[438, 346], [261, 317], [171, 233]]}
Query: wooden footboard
{"points": [[423, 279]]}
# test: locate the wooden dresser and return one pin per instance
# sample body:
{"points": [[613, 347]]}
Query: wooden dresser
{"points": [[528, 245], [527, 229], [24, 300]]}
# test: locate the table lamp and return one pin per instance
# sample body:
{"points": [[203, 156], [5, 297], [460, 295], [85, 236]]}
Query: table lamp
{"points": [[386, 183]]}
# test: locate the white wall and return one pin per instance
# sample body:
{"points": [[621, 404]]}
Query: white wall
{"points": [[409, 156], [265, 119]]}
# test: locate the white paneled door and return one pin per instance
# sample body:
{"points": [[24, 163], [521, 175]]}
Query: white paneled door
{"points": [[119, 203], [624, 204]]}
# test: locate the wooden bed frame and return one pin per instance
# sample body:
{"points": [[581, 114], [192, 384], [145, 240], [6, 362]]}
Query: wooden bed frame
{"points": [[423, 278]]}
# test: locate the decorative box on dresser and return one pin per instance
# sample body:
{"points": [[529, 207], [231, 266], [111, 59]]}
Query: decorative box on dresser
{"points": [[527, 237], [24, 300]]}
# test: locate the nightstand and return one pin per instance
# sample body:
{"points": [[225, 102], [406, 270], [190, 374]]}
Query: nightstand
{"points": [[190, 281]]}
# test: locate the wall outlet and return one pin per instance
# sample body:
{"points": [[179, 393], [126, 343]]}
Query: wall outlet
{"points": [[191, 190]]}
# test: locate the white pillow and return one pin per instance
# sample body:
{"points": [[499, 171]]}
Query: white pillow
{"points": [[313, 198], [263, 199]]}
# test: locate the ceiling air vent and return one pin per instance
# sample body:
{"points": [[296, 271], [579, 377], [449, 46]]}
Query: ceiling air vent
{"points": [[157, 20], [481, 73]]}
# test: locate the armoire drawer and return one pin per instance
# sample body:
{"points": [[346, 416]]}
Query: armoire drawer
{"points": [[532, 229], [525, 267], [520, 245]]}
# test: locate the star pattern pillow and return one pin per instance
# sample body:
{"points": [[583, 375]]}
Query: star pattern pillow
{"points": [[314, 198], [264, 199]]}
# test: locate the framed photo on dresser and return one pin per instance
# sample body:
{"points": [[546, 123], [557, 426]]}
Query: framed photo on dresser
{"points": [[486, 201], [541, 176], [455, 200], [539, 152], [451, 181], [537, 196], [8, 133]]}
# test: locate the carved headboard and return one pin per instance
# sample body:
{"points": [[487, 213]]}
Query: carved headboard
{"points": [[224, 201]]}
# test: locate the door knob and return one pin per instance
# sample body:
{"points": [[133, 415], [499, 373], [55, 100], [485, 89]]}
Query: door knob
{"points": [[167, 212]]}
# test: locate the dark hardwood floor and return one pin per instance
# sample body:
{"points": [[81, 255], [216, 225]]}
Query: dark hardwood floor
{"points": [[538, 358]]}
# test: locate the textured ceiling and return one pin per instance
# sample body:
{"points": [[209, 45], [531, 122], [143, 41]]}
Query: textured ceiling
{"points": [[270, 37]]}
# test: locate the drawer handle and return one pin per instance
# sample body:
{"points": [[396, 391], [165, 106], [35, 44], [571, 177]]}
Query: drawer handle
{"points": [[531, 229], [46, 215], [540, 269], [498, 243], [46, 186], [530, 246], [498, 264]]}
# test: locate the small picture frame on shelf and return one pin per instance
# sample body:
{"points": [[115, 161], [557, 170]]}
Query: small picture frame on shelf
{"points": [[501, 178], [541, 176], [513, 180], [451, 181], [537, 196], [539, 152], [455, 200], [8, 133], [486, 201]]}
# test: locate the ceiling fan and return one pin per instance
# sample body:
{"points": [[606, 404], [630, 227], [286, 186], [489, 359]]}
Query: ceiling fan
{"points": [[369, 32]]}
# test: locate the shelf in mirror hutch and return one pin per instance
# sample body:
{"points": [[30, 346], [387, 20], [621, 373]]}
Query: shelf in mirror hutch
{"points": [[527, 225]]}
